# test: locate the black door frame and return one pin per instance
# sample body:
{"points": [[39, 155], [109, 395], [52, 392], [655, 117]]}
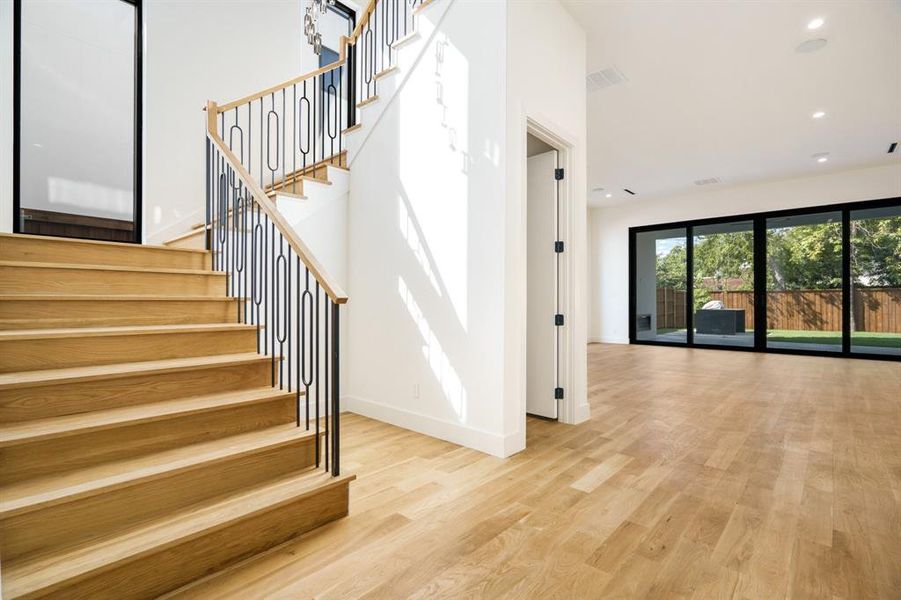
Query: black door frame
{"points": [[760, 313], [138, 112]]}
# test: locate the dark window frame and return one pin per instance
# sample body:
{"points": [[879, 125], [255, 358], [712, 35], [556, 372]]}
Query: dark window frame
{"points": [[760, 292], [342, 10], [137, 215]]}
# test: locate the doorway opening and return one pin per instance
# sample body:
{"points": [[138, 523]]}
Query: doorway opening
{"points": [[544, 246]]}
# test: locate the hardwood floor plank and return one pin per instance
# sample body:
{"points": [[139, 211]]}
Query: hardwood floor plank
{"points": [[700, 474]]}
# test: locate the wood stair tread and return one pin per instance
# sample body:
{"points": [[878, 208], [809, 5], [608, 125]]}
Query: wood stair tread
{"points": [[77, 424], [386, 71], [90, 267], [26, 496], [118, 370], [79, 241], [122, 330], [319, 180], [368, 101], [117, 298], [405, 39], [32, 574]]}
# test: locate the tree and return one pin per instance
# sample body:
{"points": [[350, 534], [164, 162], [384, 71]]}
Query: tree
{"points": [[805, 257], [671, 269], [876, 252]]}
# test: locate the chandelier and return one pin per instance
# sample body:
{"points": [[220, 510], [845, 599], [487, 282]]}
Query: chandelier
{"points": [[316, 8]]}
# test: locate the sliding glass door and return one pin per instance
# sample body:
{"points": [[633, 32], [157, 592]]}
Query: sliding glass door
{"points": [[819, 280], [661, 284], [804, 282], [723, 299], [875, 236]]}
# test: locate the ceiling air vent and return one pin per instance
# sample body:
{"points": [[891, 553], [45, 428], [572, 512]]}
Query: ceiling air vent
{"points": [[605, 78], [892, 147], [708, 181]]}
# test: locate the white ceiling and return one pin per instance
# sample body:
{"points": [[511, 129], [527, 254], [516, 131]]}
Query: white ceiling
{"points": [[716, 89]]}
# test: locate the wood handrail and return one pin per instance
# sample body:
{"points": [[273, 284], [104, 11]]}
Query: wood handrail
{"points": [[342, 59], [370, 8], [329, 286]]}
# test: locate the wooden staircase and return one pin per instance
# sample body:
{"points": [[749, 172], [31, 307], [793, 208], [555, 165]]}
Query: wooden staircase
{"points": [[293, 185], [142, 445]]}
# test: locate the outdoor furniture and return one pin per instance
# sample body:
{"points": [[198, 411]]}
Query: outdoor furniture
{"points": [[722, 321], [643, 322]]}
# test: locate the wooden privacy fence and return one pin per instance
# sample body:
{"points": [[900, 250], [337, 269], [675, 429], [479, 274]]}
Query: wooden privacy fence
{"points": [[670, 308], [875, 309]]}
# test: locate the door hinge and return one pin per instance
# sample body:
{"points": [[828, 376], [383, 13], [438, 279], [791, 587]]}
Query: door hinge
{"points": [[558, 174], [558, 320], [558, 247], [558, 393]]}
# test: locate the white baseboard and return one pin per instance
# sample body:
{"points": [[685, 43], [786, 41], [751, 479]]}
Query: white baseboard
{"points": [[483, 441], [613, 340]]}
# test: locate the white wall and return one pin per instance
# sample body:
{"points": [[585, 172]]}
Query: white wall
{"points": [[545, 83], [609, 277], [197, 51], [437, 270], [426, 241], [6, 116]]}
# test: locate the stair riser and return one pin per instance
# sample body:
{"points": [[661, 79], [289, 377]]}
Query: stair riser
{"points": [[65, 251], [58, 455], [79, 396], [113, 510], [164, 570], [27, 280], [49, 314], [59, 353]]}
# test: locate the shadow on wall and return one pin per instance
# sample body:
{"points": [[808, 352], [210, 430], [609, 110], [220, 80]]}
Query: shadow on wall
{"points": [[432, 262]]}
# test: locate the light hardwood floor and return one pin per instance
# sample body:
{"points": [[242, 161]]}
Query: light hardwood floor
{"points": [[701, 474]]}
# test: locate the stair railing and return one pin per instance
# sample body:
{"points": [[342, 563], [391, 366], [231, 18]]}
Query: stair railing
{"points": [[266, 144], [281, 288]]}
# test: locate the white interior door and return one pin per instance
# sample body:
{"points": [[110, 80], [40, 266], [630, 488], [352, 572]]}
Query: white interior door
{"points": [[541, 337]]}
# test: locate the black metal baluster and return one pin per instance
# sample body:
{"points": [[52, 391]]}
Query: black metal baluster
{"points": [[288, 312], [305, 101], [294, 143], [249, 139], [262, 143], [306, 352], [273, 303], [280, 296], [299, 351], [316, 370], [209, 187], [284, 160], [256, 280], [265, 290], [336, 398]]}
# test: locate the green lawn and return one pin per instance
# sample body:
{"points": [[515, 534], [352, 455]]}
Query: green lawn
{"points": [[860, 338]]}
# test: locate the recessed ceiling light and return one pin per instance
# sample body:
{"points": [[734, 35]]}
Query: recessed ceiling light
{"points": [[816, 24], [818, 114], [811, 46], [821, 157], [609, 196]]}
